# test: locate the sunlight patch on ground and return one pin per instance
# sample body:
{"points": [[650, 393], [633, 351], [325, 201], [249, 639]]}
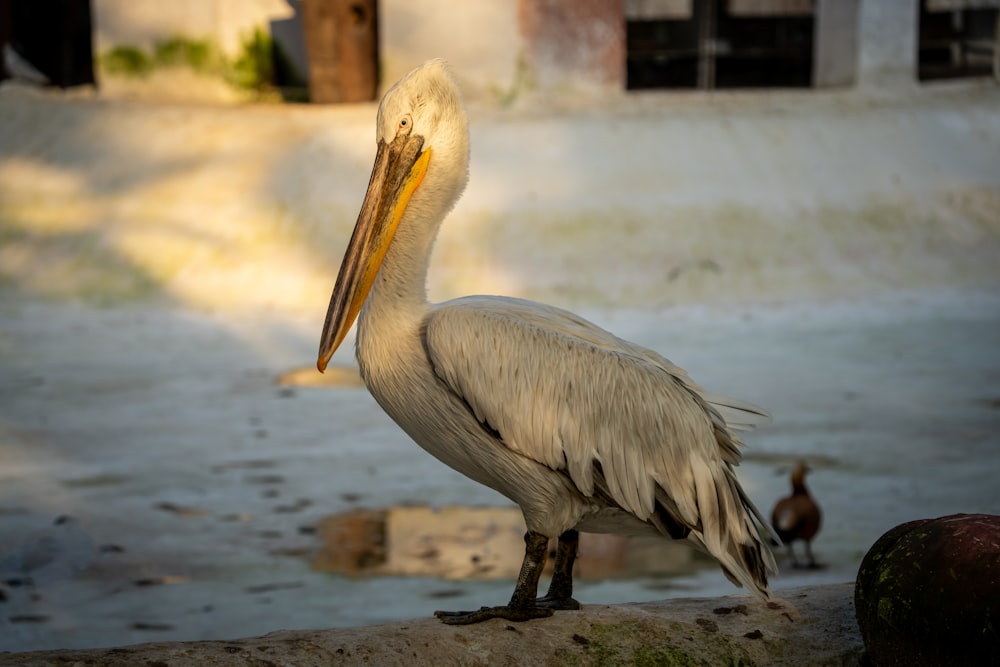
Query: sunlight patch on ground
{"points": [[80, 245]]}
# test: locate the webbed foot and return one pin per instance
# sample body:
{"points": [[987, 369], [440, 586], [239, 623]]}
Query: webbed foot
{"points": [[517, 614]]}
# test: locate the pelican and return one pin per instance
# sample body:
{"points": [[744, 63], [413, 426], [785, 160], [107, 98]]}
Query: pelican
{"points": [[797, 517], [583, 430]]}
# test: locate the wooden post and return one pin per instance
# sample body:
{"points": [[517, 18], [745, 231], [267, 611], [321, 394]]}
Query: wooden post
{"points": [[4, 35], [342, 47]]}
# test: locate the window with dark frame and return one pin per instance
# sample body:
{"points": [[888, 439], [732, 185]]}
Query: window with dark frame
{"points": [[719, 44], [958, 38]]}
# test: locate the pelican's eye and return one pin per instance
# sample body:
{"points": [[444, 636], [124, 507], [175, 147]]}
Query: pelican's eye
{"points": [[405, 123]]}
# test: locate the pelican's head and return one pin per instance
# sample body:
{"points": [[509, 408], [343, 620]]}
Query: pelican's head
{"points": [[421, 167]]}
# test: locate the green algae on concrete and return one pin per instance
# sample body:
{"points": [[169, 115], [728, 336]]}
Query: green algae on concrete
{"points": [[645, 644]]}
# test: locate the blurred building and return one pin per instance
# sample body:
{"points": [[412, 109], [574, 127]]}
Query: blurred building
{"points": [[47, 42], [500, 47]]}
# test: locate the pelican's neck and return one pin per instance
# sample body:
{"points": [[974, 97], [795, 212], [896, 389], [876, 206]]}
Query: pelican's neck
{"points": [[397, 303], [398, 298]]}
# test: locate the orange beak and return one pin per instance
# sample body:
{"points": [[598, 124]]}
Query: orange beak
{"points": [[399, 169]]}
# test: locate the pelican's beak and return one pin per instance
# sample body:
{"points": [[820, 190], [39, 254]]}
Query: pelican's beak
{"points": [[399, 169]]}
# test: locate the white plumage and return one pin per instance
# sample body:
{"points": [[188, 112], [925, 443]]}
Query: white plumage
{"points": [[583, 430]]}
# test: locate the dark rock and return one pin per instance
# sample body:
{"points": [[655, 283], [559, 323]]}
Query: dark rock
{"points": [[928, 593]]}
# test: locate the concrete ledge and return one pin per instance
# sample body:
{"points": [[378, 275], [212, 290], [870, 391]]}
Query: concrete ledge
{"points": [[808, 626]]}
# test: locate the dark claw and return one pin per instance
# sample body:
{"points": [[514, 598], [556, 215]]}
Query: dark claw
{"points": [[558, 603], [486, 613]]}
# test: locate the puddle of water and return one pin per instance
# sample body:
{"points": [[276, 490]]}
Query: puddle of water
{"points": [[95, 481], [483, 543], [333, 376]]}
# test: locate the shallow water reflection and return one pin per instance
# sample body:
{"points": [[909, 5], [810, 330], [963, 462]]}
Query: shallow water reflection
{"points": [[479, 543]]}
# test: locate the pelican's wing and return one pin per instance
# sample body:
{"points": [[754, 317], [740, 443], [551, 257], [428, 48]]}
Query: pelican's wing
{"points": [[574, 397]]}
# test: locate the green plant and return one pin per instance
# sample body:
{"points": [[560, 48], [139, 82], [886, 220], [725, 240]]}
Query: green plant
{"points": [[253, 68], [127, 60], [201, 55], [260, 66]]}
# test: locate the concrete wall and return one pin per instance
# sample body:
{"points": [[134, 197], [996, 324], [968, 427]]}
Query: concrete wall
{"points": [[143, 22], [481, 40], [835, 50], [579, 45], [499, 47], [887, 43]]}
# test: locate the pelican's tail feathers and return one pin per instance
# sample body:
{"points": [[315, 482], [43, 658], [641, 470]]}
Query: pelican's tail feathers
{"points": [[734, 532], [745, 564]]}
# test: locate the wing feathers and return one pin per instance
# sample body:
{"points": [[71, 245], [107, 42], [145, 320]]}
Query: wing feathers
{"points": [[738, 415], [566, 393], [577, 399]]}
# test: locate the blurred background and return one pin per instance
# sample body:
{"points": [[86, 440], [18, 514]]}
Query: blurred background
{"points": [[798, 201]]}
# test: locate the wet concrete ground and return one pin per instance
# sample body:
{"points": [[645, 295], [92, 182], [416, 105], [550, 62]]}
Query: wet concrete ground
{"points": [[194, 480], [830, 255]]}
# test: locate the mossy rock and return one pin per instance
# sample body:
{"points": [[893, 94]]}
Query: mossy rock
{"points": [[928, 593]]}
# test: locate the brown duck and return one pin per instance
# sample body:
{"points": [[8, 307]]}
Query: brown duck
{"points": [[797, 517]]}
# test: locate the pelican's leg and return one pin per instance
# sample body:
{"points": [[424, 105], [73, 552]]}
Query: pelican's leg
{"points": [[522, 605], [560, 595]]}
